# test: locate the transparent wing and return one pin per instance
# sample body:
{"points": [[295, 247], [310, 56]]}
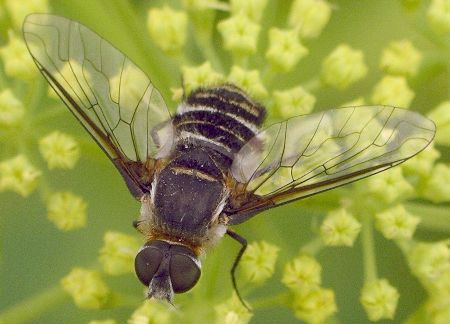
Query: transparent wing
{"points": [[309, 154], [111, 97]]}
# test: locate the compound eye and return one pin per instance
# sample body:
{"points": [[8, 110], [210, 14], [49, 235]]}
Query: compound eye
{"points": [[184, 272], [147, 262]]}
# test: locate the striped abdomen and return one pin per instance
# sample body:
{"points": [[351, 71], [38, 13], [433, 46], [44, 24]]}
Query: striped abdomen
{"points": [[222, 117]]}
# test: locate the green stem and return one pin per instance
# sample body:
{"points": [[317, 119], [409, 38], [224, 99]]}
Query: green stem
{"points": [[211, 55], [268, 76], [313, 247], [432, 217], [33, 307], [368, 246], [271, 301]]}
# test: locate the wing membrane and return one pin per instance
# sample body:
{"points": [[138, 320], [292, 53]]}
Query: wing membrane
{"points": [[111, 97], [309, 154]]}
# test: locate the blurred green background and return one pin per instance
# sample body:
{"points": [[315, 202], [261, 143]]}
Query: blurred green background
{"points": [[34, 255]]}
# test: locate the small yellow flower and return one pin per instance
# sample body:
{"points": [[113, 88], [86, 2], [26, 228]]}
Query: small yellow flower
{"points": [[339, 228], [200, 76], [396, 223], [16, 59], [240, 34], [343, 67], [438, 16], [379, 299], [249, 80], [66, 210], [151, 312], [401, 58], [18, 175], [118, 252], [232, 312], [258, 261], [437, 187], [19, 9], [285, 50], [429, 261], [87, 288], [253, 9], [392, 91], [302, 273], [293, 102], [314, 305], [11, 109], [309, 17], [168, 28], [389, 186], [441, 117], [59, 150]]}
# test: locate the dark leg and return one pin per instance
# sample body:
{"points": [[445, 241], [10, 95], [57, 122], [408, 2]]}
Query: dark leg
{"points": [[136, 223], [243, 243]]}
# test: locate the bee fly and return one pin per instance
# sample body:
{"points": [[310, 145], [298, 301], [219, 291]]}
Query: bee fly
{"points": [[210, 166]]}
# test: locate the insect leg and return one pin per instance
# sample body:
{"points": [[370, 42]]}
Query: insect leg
{"points": [[136, 223], [243, 243]]}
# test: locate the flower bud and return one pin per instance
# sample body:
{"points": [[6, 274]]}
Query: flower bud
{"points": [[379, 299], [200, 76], [240, 34], [11, 109], [309, 17], [87, 288], [249, 80], [59, 150], [396, 223], [438, 16], [118, 253], [343, 67], [16, 59], [168, 28], [314, 305], [258, 261], [302, 273], [253, 9], [392, 91], [339, 228], [293, 102], [18, 175], [401, 58], [66, 210]]}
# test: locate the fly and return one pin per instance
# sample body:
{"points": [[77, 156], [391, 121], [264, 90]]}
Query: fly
{"points": [[210, 166]]}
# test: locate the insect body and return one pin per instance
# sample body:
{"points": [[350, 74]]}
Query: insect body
{"points": [[210, 166]]}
